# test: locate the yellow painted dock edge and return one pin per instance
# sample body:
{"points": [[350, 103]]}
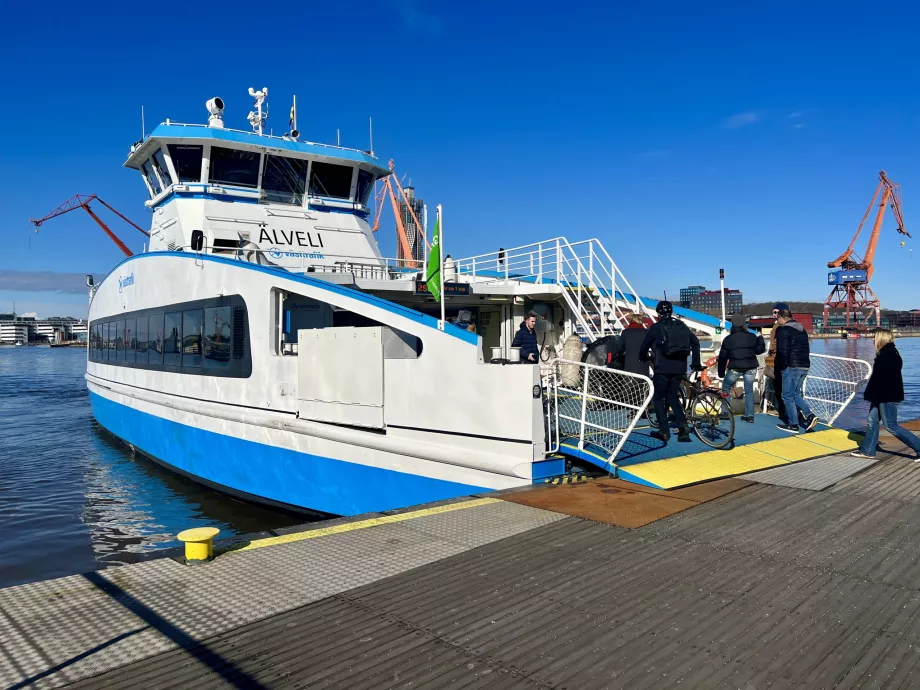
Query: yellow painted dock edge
{"points": [[362, 524]]}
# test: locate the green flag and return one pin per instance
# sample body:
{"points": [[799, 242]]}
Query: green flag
{"points": [[433, 279]]}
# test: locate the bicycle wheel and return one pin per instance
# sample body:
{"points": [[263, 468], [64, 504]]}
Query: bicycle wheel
{"points": [[652, 416], [712, 420]]}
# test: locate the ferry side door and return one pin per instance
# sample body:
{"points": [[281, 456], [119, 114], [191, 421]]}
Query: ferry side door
{"points": [[490, 328]]}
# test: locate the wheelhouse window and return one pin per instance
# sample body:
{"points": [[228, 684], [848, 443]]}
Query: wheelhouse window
{"points": [[234, 167], [284, 179], [191, 338], [187, 161], [365, 184], [328, 179], [159, 165], [152, 180], [172, 355]]}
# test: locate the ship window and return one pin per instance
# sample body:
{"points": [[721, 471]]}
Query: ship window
{"points": [[191, 338], [119, 340], [130, 339], [152, 180], [159, 164], [171, 353], [142, 339], [365, 184], [330, 180], [218, 330], [155, 339], [234, 166], [284, 179], [187, 161], [110, 340]]}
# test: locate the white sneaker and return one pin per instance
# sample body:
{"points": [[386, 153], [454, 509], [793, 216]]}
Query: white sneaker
{"points": [[860, 454]]}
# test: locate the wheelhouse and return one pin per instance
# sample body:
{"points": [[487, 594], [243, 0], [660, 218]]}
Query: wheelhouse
{"points": [[179, 160]]}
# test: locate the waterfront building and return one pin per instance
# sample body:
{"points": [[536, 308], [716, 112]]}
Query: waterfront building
{"points": [[710, 301]]}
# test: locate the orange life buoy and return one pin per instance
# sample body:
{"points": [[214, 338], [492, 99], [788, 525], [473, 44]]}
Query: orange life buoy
{"points": [[704, 375]]}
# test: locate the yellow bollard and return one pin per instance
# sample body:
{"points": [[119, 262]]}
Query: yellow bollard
{"points": [[198, 543]]}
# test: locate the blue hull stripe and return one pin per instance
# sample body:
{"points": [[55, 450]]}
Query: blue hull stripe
{"points": [[277, 474]]}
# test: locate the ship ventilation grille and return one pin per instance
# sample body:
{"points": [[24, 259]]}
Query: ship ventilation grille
{"points": [[239, 334], [172, 246]]}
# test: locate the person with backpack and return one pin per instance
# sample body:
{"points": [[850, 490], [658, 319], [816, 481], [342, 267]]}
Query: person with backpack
{"points": [[738, 358], [672, 342], [792, 363], [884, 392]]}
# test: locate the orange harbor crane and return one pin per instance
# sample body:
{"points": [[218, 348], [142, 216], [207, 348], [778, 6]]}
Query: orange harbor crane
{"points": [[851, 282], [404, 249], [83, 201]]}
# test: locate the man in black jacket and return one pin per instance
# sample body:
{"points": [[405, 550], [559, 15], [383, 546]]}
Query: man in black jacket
{"points": [[793, 363], [526, 339], [739, 354], [670, 367]]}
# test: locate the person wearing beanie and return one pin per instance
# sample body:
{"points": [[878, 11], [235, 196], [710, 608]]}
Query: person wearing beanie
{"points": [[738, 358]]}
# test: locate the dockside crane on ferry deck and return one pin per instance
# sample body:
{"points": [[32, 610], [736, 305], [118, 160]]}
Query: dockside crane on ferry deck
{"points": [[851, 281], [83, 201]]}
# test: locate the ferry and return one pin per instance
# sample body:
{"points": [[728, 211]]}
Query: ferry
{"points": [[261, 344]]}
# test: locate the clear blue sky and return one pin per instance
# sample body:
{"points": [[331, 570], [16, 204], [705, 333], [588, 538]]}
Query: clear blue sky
{"points": [[685, 136]]}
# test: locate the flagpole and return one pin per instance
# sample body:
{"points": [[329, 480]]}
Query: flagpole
{"points": [[294, 109], [441, 256]]}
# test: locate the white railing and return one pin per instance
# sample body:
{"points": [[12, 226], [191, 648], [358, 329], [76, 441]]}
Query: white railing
{"points": [[598, 406], [590, 280], [832, 383]]}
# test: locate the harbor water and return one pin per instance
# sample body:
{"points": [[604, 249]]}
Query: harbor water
{"points": [[73, 498]]}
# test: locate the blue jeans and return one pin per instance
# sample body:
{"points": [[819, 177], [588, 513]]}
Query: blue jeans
{"points": [[731, 377], [793, 394], [888, 412]]}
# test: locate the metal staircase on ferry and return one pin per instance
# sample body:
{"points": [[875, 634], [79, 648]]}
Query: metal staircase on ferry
{"points": [[593, 286]]}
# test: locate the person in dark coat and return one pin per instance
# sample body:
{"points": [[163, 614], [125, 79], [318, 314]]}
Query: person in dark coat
{"points": [[738, 358], [669, 372], [526, 339], [627, 354], [884, 392], [792, 363], [771, 362]]}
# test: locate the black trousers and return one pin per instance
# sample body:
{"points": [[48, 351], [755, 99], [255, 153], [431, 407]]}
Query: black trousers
{"points": [[666, 387]]}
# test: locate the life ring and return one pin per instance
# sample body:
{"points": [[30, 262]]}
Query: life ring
{"points": [[704, 375]]}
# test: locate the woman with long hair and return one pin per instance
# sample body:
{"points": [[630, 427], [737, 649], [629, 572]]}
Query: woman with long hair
{"points": [[885, 391]]}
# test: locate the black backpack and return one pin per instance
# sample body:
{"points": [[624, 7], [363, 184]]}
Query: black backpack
{"points": [[675, 339]]}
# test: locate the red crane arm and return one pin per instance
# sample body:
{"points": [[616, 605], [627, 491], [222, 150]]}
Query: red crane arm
{"points": [[843, 258], [82, 201], [891, 195]]}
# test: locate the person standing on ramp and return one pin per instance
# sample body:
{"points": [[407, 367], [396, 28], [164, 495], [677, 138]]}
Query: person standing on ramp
{"points": [[672, 342]]}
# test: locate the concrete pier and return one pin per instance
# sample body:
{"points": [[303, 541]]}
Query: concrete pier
{"points": [[802, 576]]}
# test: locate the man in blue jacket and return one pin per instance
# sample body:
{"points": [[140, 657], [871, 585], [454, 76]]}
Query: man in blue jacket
{"points": [[792, 363], [526, 339]]}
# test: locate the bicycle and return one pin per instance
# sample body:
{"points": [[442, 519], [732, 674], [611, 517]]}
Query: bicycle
{"points": [[708, 413]]}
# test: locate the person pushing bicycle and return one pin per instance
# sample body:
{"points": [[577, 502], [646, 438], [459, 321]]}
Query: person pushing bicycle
{"points": [[672, 341]]}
